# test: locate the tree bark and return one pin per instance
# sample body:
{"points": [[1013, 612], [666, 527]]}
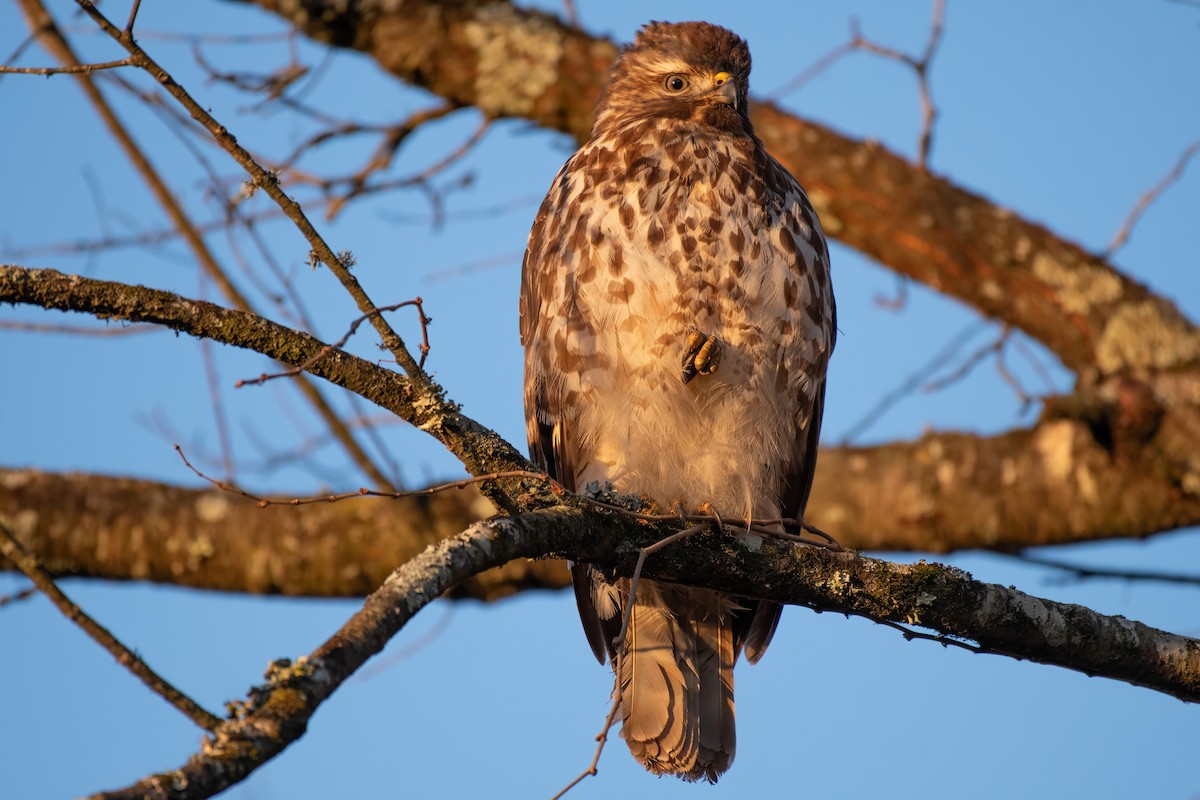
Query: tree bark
{"points": [[1002, 620], [97, 526]]}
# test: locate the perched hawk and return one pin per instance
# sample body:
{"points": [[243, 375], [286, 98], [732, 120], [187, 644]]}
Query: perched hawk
{"points": [[677, 318]]}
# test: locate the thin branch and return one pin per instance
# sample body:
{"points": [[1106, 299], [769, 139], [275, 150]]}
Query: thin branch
{"points": [[918, 64], [18, 596], [968, 364], [74, 69], [601, 739], [570, 13], [75, 330], [133, 12], [619, 646], [813, 70], [266, 181], [478, 448], [218, 407], [1079, 572], [1146, 200], [265, 502], [914, 381], [54, 41], [11, 549], [945, 641], [340, 343]]}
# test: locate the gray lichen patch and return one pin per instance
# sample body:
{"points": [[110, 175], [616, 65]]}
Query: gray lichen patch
{"points": [[517, 59], [1141, 335], [1079, 286]]}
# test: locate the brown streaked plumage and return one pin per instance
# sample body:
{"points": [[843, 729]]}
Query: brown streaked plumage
{"points": [[677, 317]]}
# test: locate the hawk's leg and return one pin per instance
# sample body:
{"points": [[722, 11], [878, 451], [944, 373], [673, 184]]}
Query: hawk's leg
{"points": [[701, 355]]}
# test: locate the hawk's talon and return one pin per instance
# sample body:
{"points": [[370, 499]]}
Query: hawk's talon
{"points": [[701, 356]]}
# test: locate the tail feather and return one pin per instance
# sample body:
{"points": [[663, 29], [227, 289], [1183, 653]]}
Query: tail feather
{"points": [[659, 687], [677, 681], [714, 664]]}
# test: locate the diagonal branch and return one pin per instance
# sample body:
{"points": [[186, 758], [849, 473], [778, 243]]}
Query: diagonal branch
{"points": [[11, 549], [1002, 620], [262, 179]]}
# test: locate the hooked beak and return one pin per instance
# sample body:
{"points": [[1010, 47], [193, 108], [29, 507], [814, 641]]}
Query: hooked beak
{"points": [[725, 89]]}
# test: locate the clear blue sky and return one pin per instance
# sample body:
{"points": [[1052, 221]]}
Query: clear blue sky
{"points": [[1065, 113]]}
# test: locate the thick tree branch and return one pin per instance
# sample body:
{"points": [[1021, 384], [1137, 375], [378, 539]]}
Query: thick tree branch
{"points": [[921, 225], [1049, 485], [81, 526], [1001, 620]]}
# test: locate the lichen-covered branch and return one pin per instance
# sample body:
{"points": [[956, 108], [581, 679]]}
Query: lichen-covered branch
{"points": [[80, 526], [1049, 485], [1000, 619], [1077, 304]]}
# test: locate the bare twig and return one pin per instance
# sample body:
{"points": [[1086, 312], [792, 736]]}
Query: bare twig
{"points": [[358, 185], [813, 70], [920, 65], [900, 301], [18, 596], [410, 649], [601, 739], [914, 381], [329, 348], [74, 69], [478, 265], [1079, 572], [267, 182], [945, 641], [52, 38], [619, 646], [76, 330], [273, 85], [264, 502], [1146, 200], [11, 549], [21, 48], [570, 13], [997, 349], [964, 369], [1024, 397], [1036, 363], [218, 407], [767, 528]]}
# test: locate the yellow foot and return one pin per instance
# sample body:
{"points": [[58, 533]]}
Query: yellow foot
{"points": [[701, 356]]}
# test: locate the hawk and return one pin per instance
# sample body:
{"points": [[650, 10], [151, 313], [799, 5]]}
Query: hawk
{"points": [[677, 318]]}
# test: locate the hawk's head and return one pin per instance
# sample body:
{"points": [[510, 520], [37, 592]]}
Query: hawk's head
{"points": [[686, 71]]}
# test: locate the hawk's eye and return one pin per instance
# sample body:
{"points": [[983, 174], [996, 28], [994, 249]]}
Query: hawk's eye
{"points": [[675, 83]]}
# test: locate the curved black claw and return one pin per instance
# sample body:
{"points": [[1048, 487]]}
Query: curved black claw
{"points": [[701, 355]]}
